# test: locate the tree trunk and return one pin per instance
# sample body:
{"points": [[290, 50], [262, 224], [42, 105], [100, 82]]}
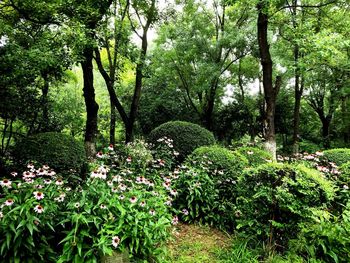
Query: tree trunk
{"points": [[45, 104], [326, 122], [112, 123], [129, 128], [90, 103], [270, 92]]}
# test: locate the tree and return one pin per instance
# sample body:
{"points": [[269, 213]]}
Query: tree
{"points": [[145, 14]]}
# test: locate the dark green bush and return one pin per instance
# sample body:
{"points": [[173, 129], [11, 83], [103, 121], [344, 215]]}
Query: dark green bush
{"points": [[218, 158], [186, 136], [275, 198], [337, 156], [254, 155], [61, 152]]}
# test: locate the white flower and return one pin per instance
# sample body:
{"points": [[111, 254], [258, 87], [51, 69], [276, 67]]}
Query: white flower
{"points": [[250, 152], [142, 204], [14, 174], [41, 171], [129, 159], [46, 167], [77, 205], [152, 212], [38, 195], [39, 186], [345, 187], [115, 241], [173, 192], [109, 183], [185, 211], [99, 155], [51, 173], [30, 166], [5, 183], [39, 209], [1, 215], [102, 206], [121, 197], [59, 199], [9, 202], [59, 182], [110, 147]]}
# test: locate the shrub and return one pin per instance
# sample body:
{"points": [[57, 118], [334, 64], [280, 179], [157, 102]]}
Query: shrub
{"points": [[218, 159], [197, 198], [308, 146], [62, 152], [275, 198], [186, 136], [337, 156], [254, 155], [222, 165]]}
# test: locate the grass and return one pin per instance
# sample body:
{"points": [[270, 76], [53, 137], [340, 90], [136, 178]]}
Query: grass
{"points": [[202, 244], [196, 244]]}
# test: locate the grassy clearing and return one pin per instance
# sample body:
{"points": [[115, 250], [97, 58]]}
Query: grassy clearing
{"points": [[197, 244]]}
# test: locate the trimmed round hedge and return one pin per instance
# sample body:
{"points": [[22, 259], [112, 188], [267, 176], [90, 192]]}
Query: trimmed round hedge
{"points": [[60, 151], [186, 136], [338, 156], [274, 198], [254, 155], [217, 159]]}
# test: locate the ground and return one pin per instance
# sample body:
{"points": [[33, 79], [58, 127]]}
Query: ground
{"points": [[196, 244]]}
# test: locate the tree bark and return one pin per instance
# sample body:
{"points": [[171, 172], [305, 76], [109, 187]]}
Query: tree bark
{"points": [[113, 116], [270, 92], [90, 102], [45, 104]]}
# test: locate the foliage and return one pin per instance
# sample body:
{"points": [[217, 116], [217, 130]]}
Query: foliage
{"points": [[198, 199], [275, 198], [326, 239], [29, 215], [308, 146], [219, 159], [186, 136], [139, 152], [337, 156], [62, 152], [254, 155]]}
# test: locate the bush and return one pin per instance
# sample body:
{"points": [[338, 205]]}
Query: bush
{"points": [[186, 136], [222, 165], [337, 156], [218, 159], [254, 155], [62, 152], [309, 147], [198, 199], [275, 198]]}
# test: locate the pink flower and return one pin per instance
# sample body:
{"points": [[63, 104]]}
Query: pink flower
{"points": [[175, 220], [14, 174], [38, 195], [133, 199], [99, 155], [9, 202], [129, 159], [110, 147], [39, 209]]}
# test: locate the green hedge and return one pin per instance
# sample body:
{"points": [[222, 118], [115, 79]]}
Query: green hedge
{"points": [[186, 136], [61, 152], [337, 156], [217, 159], [254, 155], [274, 198]]}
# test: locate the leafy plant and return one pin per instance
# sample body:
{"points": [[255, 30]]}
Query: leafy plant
{"points": [[337, 156], [255, 155], [275, 198], [62, 152]]}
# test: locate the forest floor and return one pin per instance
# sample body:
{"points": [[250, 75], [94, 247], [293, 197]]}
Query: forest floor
{"points": [[197, 244]]}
